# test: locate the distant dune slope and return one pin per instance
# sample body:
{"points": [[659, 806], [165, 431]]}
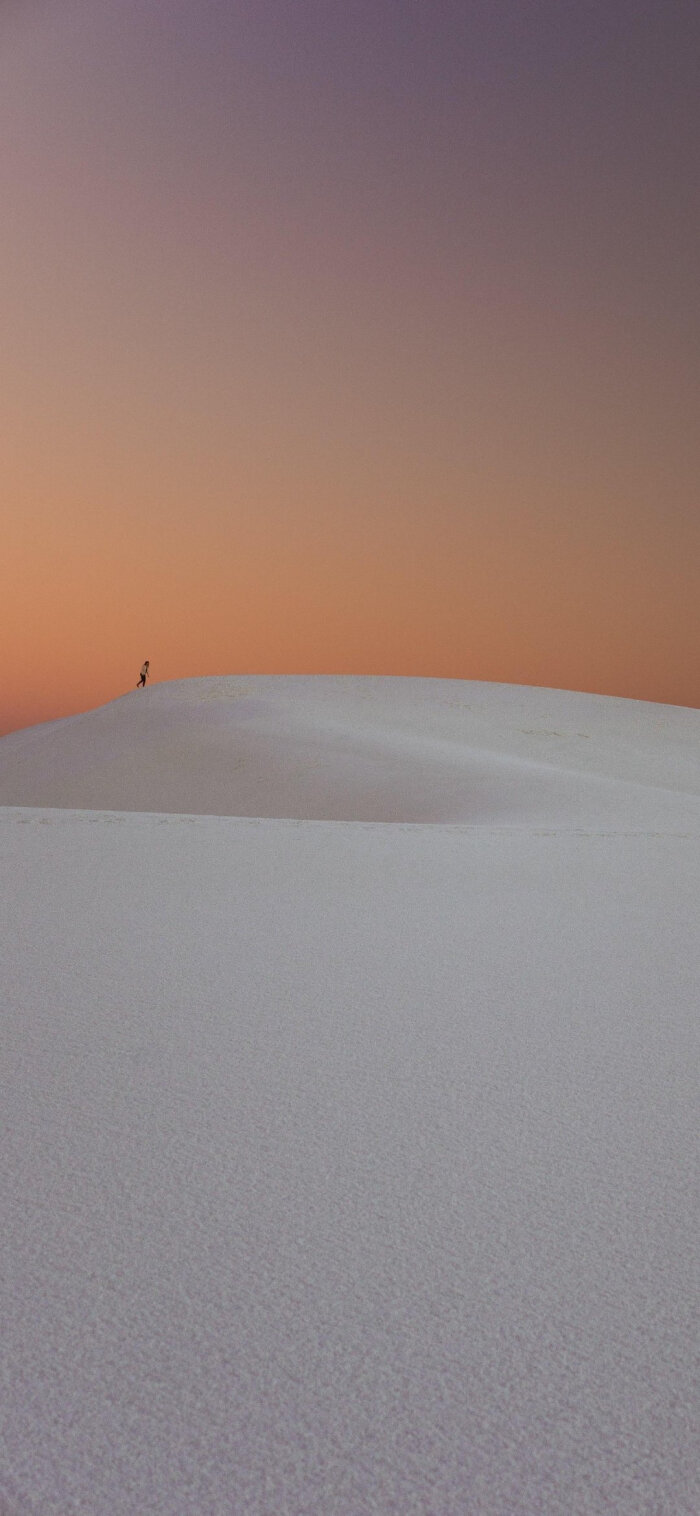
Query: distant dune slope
{"points": [[361, 748]]}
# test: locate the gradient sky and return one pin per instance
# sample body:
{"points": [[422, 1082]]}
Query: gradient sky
{"points": [[354, 336]]}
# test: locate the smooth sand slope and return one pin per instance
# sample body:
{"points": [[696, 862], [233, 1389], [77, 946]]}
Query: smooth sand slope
{"points": [[349, 1153], [358, 749]]}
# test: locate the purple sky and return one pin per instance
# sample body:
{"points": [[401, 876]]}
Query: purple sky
{"points": [[375, 324]]}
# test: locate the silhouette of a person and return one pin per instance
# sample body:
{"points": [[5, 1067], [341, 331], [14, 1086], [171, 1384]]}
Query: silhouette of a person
{"points": [[143, 676]]}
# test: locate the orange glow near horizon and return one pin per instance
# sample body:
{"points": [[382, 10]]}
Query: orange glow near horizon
{"points": [[335, 350]]}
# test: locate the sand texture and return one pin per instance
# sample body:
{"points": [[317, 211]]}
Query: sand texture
{"points": [[349, 1103]]}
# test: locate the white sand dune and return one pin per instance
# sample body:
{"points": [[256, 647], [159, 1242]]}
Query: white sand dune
{"points": [[349, 1103], [367, 749]]}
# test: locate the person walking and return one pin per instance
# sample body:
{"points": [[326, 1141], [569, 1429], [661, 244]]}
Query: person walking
{"points": [[143, 676]]}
